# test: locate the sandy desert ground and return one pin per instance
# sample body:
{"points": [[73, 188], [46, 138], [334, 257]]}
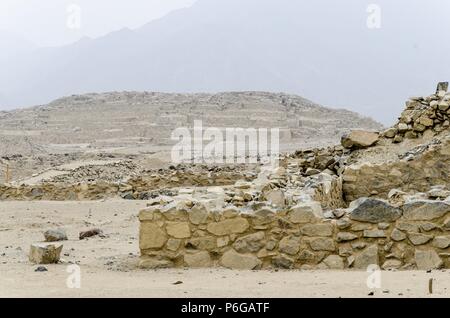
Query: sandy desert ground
{"points": [[108, 264]]}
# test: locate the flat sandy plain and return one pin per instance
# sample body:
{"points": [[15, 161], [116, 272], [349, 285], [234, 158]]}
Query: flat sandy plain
{"points": [[109, 265]]}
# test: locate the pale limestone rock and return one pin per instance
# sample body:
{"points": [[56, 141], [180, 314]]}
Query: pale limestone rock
{"points": [[223, 241], [339, 213], [402, 127], [446, 224], [358, 245], [426, 260], [438, 193], [428, 226], [308, 212], [425, 210], [55, 235], [171, 212], [383, 226], [441, 242], [146, 214], [276, 197], [407, 226], [427, 122], [359, 139], [250, 243], [45, 253], [392, 264], [350, 261], [345, 250], [230, 226], [154, 263], [419, 239], [264, 216], [397, 235], [374, 233], [283, 261], [289, 245], [198, 259], [343, 223], [207, 243], [173, 244], [334, 262], [345, 237], [396, 197], [271, 245], [198, 214], [312, 172], [322, 244], [151, 236], [443, 106], [358, 227], [390, 133], [367, 257], [178, 230], [233, 260], [317, 230]]}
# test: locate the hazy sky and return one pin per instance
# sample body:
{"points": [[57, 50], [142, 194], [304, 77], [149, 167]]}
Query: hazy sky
{"points": [[44, 22], [363, 55]]}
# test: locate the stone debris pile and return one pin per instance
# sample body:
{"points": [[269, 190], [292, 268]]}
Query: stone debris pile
{"points": [[422, 114]]}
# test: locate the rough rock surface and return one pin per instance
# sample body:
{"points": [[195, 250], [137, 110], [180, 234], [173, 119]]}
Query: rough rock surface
{"points": [[55, 235], [45, 253], [359, 139], [374, 211]]}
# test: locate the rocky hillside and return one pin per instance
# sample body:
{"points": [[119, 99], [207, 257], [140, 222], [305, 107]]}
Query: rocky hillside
{"points": [[143, 122]]}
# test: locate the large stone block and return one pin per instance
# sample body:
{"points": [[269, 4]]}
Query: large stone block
{"points": [[45, 253], [233, 260], [151, 236], [231, 226], [366, 258], [198, 214], [317, 230], [427, 259], [425, 210], [290, 245], [373, 211], [250, 243], [198, 259], [178, 230], [359, 139], [308, 212], [334, 262], [322, 244]]}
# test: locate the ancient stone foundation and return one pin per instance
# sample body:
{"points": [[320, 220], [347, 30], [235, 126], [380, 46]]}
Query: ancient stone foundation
{"points": [[414, 235]]}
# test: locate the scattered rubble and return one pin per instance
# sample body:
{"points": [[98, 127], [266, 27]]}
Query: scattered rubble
{"points": [[90, 233]]}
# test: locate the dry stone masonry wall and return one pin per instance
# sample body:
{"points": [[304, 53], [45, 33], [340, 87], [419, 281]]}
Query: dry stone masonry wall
{"points": [[414, 235]]}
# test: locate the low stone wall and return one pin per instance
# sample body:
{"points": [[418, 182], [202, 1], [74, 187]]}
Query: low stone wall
{"points": [[140, 188], [415, 235]]}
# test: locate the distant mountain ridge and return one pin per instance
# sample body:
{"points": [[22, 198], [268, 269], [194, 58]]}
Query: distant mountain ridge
{"points": [[320, 49]]}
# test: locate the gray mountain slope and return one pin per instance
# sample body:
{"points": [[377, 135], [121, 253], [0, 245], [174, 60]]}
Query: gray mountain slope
{"points": [[319, 49]]}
